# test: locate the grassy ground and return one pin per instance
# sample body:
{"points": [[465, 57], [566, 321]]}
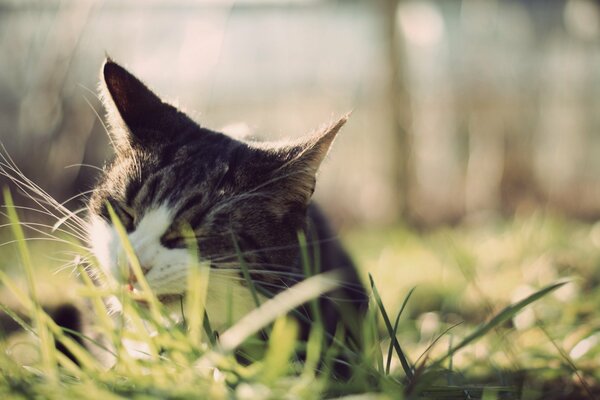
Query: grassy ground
{"points": [[468, 274], [465, 280]]}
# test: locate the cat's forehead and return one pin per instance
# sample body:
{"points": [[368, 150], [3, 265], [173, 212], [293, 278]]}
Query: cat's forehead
{"points": [[172, 174]]}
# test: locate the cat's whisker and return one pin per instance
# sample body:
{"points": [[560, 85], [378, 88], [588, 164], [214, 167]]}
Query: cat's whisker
{"points": [[356, 288], [269, 269], [71, 257], [34, 239], [78, 165], [244, 253], [77, 196], [79, 229], [264, 271], [36, 225], [51, 237], [63, 220], [32, 209], [72, 265], [100, 119], [282, 286], [31, 189]]}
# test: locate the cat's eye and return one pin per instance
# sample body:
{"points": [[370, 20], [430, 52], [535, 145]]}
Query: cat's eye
{"points": [[128, 210], [177, 238], [172, 239], [126, 215]]}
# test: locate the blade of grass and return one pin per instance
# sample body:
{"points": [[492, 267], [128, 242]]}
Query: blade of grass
{"points": [[88, 339], [441, 335], [134, 264], [253, 289], [136, 321], [21, 297], [450, 361], [210, 333], [245, 271], [569, 362], [86, 362], [24, 325], [306, 267], [282, 343], [229, 306], [197, 290], [132, 312], [375, 348], [403, 360], [391, 346], [48, 323], [313, 349], [503, 316], [95, 297], [280, 304], [101, 314], [46, 340]]}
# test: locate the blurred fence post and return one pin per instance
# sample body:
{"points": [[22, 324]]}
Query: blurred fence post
{"points": [[398, 98]]}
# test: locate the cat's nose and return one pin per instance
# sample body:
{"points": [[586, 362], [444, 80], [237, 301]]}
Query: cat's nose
{"points": [[132, 278]]}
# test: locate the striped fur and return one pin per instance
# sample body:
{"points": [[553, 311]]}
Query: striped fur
{"points": [[169, 173]]}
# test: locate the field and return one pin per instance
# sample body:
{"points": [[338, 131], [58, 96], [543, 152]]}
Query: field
{"points": [[485, 316]]}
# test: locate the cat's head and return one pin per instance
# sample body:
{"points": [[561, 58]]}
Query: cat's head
{"points": [[169, 173]]}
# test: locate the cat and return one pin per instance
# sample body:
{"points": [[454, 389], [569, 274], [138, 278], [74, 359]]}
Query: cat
{"points": [[239, 198]]}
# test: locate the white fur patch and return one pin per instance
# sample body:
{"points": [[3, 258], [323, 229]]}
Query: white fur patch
{"points": [[167, 269]]}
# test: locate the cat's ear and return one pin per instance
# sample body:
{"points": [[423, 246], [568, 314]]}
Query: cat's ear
{"points": [[136, 115], [304, 159]]}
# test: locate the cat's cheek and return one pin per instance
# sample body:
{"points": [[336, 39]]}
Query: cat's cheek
{"points": [[104, 243], [169, 272]]}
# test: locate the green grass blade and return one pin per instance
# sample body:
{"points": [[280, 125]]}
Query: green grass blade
{"points": [[24, 325], [282, 343], [101, 313], [47, 349], [391, 346], [134, 264], [314, 347], [197, 290], [210, 333], [89, 339], [308, 271], [245, 272], [441, 335], [86, 361], [280, 304], [403, 360], [17, 292], [503, 316], [375, 352], [569, 361], [196, 301]]}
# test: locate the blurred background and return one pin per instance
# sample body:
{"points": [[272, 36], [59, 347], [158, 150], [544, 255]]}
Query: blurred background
{"points": [[461, 108]]}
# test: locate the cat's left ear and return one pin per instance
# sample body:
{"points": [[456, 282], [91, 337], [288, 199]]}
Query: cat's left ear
{"points": [[136, 115], [306, 157]]}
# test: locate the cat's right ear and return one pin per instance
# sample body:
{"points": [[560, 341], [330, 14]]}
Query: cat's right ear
{"points": [[137, 116]]}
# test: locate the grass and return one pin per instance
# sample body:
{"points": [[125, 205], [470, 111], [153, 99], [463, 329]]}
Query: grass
{"points": [[505, 309]]}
